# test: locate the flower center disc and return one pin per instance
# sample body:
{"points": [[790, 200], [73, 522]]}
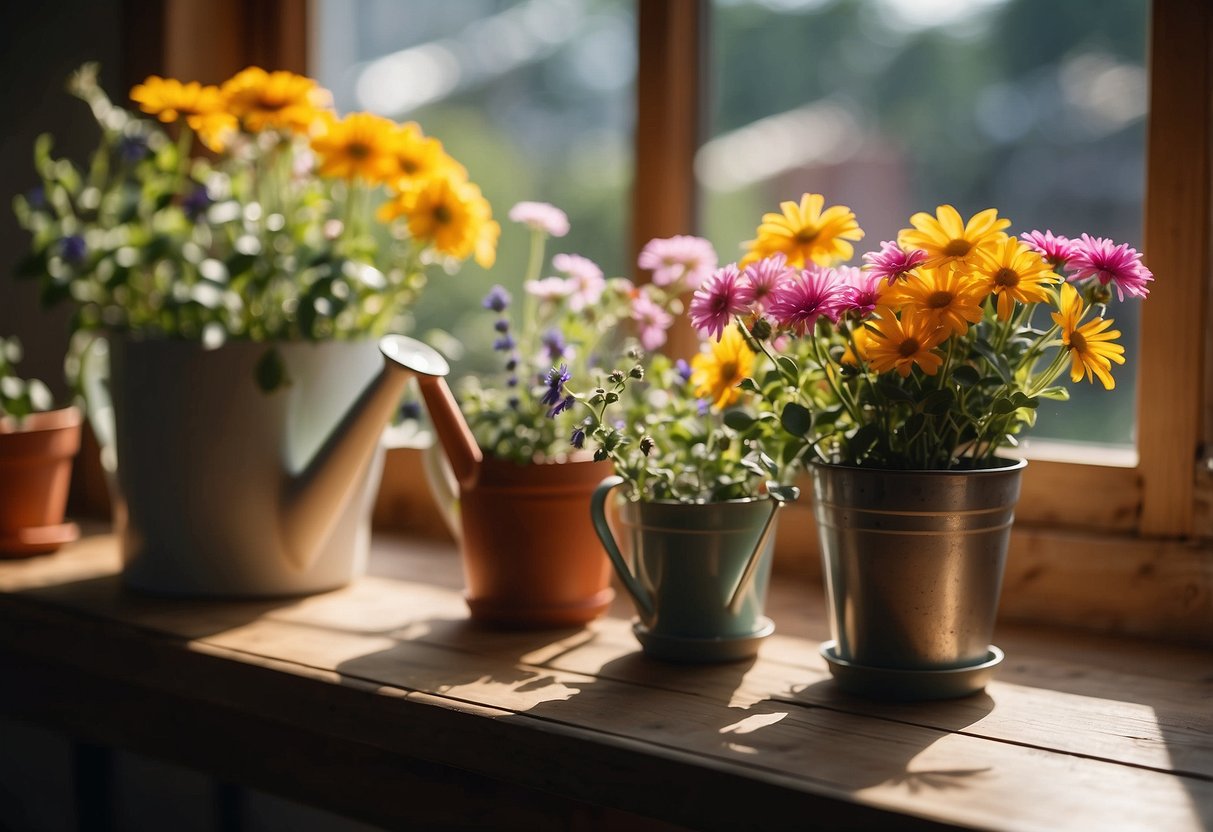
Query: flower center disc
{"points": [[357, 150], [957, 248], [806, 235], [908, 347], [728, 369], [1078, 341], [442, 214], [939, 300], [1006, 277]]}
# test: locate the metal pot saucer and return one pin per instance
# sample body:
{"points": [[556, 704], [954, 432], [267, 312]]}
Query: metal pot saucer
{"points": [[903, 685], [689, 650]]}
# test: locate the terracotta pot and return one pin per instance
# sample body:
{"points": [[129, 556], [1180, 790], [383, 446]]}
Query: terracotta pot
{"points": [[35, 472], [531, 557]]}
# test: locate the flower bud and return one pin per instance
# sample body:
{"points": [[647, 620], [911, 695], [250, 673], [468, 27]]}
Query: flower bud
{"points": [[760, 329], [646, 445], [636, 372]]}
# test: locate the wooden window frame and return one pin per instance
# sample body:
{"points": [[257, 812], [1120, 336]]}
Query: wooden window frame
{"points": [[1120, 549]]}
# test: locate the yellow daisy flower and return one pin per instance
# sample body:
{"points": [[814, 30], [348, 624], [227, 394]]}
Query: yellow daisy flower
{"points": [[419, 157], [359, 145], [1091, 350], [202, 107], [720, 367], [951, 299], [274, 100], [899, 344], [857, 347], [449, 213], [805, 233], [1014, 272], [948, 240]]}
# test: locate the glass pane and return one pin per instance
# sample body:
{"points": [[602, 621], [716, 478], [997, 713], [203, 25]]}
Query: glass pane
{"points": [[534, 97], [895, 106]]}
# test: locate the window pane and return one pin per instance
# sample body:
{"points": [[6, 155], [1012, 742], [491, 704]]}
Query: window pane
{"points": [[534, 97], [895, 106]]}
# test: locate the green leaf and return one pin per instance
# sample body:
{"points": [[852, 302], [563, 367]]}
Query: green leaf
{"points": [[788, 367], [738, 419], [892, 390], [997, 361], [1057, 394], [966, 376], [270, 372], [1003, 405], [796, 419], [750, 386], [937, 402], [863, 439], [1021, 399]]}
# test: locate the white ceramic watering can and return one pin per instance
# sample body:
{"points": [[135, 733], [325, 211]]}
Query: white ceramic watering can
{"points": [[223, 489]]}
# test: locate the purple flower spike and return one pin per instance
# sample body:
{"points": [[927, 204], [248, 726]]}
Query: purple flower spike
{"points": [[557, 378], [498, 299]]}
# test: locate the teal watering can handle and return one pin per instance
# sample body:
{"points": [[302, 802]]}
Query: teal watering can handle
{"points": [[598, 514], [778, 497]]}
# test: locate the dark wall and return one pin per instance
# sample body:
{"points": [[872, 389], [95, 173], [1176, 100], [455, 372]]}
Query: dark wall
{"points": [[40, 45]]}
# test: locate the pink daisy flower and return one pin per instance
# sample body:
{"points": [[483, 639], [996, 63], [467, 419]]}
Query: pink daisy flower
{"points": [[762, 278], [717, 300], [549, 288], [652, 320], [864, 289], [671, 259], [1056, 249], [540, 216], [1109, 262], [811, 294], [891, 262], [585, 277]]}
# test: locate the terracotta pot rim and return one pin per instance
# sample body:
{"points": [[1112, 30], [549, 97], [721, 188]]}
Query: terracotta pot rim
{"points": [[43, 421]]}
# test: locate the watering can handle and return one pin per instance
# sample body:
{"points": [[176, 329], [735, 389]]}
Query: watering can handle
{"points": [[598, 514], [779, 498]]}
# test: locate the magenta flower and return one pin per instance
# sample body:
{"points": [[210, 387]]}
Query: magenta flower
{"points": [[671, 259], [1109, 262], [652, 320], [585, 277], [717, 300], [811, 294], [891, 262], [540, 216], [1056, 249], [763, 278], [864, 289]]}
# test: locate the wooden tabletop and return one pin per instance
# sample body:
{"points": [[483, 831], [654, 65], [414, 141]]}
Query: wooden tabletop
{"points": [[382, 701]]}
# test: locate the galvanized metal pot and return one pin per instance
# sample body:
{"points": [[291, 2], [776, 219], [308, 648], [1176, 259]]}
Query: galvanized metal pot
{"points": [[914, 562]]}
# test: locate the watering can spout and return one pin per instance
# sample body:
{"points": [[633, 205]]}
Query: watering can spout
{"points": [[314, 497]]}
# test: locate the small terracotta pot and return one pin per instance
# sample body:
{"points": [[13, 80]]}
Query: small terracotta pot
{"points": [[531, 557], [35, 472]]}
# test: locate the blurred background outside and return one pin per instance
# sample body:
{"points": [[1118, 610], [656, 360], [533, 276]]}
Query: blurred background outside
{"points": [[887, 106]]}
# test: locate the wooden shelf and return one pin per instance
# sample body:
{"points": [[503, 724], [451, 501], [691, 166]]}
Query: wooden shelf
{"points": [[383, 702]]}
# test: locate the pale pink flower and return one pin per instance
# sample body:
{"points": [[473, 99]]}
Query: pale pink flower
{"points": [[762, 278], [549, 288], [891, 262], [717, 300], [1056, 249], [813, 293], [1100, 258], [680, 258], [540, 216], [652, 320], [864, 289], [585, 277]]}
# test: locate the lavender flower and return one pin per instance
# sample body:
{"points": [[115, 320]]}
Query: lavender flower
{"points": [[557, 378], [498, 299], [74, 249]]}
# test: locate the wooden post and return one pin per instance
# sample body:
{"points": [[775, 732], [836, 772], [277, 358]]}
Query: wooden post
{"points": [[672, 44], [1171, 388]]}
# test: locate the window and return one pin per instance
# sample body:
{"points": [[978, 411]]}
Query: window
{"points": [[895, 106], [535, 97]]}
